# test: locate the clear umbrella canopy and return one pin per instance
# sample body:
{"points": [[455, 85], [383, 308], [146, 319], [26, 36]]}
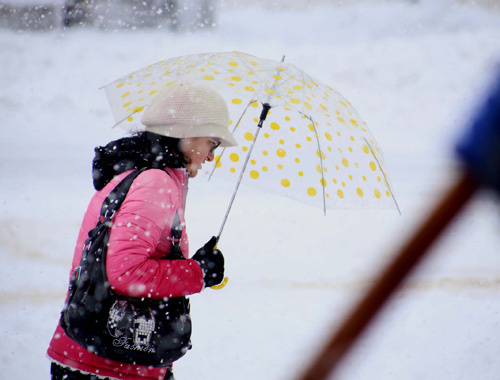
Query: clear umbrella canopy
{"points": [[313, 146]]}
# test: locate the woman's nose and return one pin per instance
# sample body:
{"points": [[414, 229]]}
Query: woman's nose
{"points": [[210, 156]]}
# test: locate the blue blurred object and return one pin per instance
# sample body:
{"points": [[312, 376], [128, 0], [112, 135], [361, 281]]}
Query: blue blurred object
{"points": [[480, 148]]}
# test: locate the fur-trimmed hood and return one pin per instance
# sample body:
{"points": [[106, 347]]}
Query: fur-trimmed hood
{"points": [[144, 149]]}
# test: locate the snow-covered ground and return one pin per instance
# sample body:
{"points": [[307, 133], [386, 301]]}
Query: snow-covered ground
{"points": [[414, 70]]}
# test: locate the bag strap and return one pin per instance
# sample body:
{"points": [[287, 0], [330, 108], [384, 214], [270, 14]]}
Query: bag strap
{"points": [[115, 199], [176, 232], [175, 236]]}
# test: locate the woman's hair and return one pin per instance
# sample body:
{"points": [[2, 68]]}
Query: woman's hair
{"points": [[144, 149]]}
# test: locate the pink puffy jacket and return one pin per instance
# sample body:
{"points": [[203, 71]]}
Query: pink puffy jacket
{"points": [[139, 238]]}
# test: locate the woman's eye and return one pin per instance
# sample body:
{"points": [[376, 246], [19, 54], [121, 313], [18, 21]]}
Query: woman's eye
{"points": [[214, 145]]}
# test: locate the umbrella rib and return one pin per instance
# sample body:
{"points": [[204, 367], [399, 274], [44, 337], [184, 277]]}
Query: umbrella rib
{"points": [[125, 118], [255, 72], [205, 58], [243, 114], [234, 129], [263, 77], [323, 181], [383, 173], [303, 91], [155, 65]]}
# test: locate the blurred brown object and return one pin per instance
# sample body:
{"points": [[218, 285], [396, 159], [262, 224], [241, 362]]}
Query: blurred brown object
{"points": [[391, 277]]}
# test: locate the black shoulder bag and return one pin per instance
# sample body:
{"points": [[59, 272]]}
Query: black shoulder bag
{"points": [[140, 331]]}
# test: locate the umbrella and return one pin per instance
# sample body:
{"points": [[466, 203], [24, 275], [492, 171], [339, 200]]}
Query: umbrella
{"points": [[314, 146]]}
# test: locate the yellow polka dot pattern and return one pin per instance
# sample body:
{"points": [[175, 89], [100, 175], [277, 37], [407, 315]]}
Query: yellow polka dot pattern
{"points": [[313, 145]]}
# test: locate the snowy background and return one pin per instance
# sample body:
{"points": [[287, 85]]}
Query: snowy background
{"points": [[415, 71]]}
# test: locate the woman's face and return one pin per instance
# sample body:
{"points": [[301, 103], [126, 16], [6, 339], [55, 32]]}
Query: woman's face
{"points": [[197, 150]]}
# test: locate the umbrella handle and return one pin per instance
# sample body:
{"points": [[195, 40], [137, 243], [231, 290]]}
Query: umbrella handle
{"points": [[221, 285], [225, 280]]}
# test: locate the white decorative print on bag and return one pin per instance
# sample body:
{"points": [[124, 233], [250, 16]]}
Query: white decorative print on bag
{"points": [[132, 326]]}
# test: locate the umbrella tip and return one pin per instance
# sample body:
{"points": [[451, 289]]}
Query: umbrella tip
{"points": [[283, 59]]}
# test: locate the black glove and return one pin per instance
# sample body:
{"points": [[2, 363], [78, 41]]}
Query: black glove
{"points": [[211, 262]]}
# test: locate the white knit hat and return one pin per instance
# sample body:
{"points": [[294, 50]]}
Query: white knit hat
{"points": [[185, 110]]}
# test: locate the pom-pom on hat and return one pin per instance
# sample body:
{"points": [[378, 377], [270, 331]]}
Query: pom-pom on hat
{"points": [[185, 110]]}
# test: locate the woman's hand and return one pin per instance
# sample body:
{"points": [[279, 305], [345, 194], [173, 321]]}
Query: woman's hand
{"points": [[211, 262]]}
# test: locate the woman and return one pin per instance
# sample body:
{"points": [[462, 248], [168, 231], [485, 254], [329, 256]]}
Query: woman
{"points": [[184, 125]]}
